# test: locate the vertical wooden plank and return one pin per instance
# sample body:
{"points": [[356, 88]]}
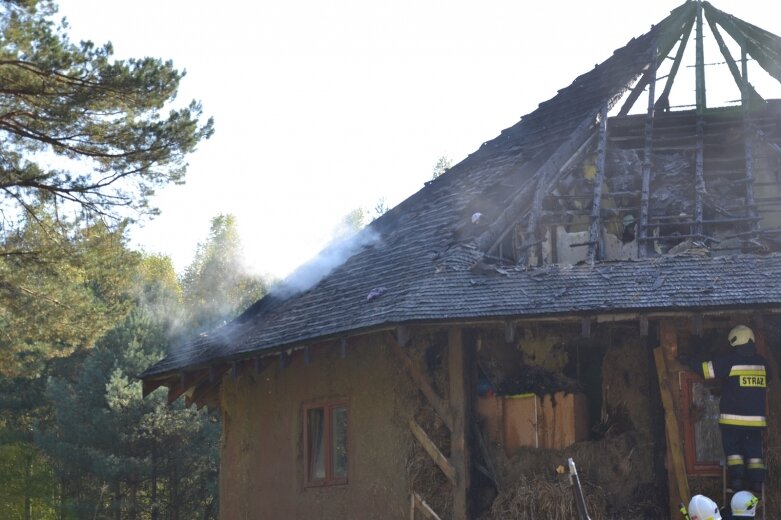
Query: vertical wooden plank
{"points": [[459, 457], [677, 471]]}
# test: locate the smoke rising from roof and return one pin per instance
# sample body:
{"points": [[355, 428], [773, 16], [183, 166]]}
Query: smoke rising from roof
{"points": [[334, 255]]}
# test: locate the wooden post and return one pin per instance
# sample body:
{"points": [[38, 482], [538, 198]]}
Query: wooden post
{"points": [[595, 229], [459, 405], [677, 472], [700, 64], [645, 197], [699, 177], [748, 129]]}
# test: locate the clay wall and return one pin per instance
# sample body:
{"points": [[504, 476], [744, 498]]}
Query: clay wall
{"points": [[262, 457]]}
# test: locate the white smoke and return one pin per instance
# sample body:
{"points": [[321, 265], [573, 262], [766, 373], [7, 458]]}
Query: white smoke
{"points": [[334, 255]]}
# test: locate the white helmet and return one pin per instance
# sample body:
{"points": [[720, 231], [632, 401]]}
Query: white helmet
{"points": [[703, 508], [740, 335], [744, 504]]}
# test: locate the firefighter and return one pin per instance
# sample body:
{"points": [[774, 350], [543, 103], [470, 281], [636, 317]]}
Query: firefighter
{"points": [[744, 374], [744, 505], [703, 508]]}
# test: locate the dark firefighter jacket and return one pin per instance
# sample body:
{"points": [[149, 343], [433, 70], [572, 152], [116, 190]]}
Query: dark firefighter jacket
{"points": [[744, 374]]}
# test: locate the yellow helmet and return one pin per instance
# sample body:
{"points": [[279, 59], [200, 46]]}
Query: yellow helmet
{"points": [[740, 335]]}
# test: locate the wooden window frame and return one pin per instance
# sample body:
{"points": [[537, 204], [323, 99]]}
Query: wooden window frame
{"points": [[330, 479], [693, 466]]}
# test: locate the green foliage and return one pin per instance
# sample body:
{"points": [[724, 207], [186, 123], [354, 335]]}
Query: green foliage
{"points": [[62, 285], [115, 452], [443, 164], [216, 285], [78, 126]]}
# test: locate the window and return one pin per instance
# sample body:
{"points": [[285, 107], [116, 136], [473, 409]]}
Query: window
{"points": [[326, 443], [703, 449]]}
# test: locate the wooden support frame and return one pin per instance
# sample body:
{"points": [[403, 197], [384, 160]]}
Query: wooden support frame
{"points": [[673, 435], [748, 94], [418, 504], [423, 384], [428, 445]]}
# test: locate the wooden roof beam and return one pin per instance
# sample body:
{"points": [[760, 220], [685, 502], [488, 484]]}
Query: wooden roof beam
{"points": [[664, 98], [755, 39], [750, 96]]}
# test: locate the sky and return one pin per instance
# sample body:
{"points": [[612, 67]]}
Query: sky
{"points": [[323, 107]]}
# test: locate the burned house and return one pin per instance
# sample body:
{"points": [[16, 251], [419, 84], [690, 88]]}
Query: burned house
{"points": [[525, 307]]}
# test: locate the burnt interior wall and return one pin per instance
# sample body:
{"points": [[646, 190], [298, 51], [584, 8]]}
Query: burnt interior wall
{"points": [[262, 457], [620, 464], [740, 194]]}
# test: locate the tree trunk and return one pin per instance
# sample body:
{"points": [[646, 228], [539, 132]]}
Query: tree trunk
{"points": [[28, 471], [117, 506], [132, 513], [155, 507]]}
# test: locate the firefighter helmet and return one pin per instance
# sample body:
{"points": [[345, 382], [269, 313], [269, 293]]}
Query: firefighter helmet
{"points": [[740, 335], [744, 504], [703, 508]]}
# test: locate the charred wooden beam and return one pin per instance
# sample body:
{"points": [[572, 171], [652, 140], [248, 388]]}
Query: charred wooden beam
{"points": [[424, 385], [506, 220], [596, 203], [645, 195], [700, 64], [699, 179], [664, 99], [635, 94], [343, 348], [748, 94], [748, 129], [307, 355], [284, 359], [259, 366], [235, 369]]}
